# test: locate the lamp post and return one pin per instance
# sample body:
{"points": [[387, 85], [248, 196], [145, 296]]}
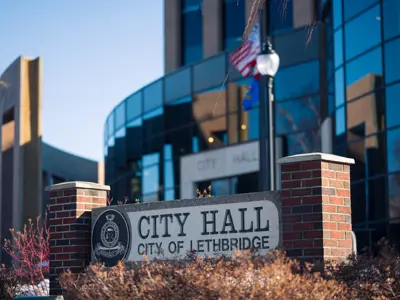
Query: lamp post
{"points": [[267, 64]]}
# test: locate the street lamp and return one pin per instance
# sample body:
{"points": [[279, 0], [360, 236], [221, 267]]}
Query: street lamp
{"points": [[267, 65]]}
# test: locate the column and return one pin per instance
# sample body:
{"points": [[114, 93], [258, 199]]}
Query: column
{"points": [[71, 204], [316, 206]]}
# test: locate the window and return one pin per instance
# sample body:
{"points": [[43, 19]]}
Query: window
{"points": [[234, 23], [338, 48], [394, 196], [281, 16], [177, 85], [134, 106], [375, 154], [376, 196], [351, 8], [339, 87], [364, 116], [110, 122], [393, 150], [297, 115], [150, 174], [180, 141], [337, 13], [178, 114], [210, 134], [209, 103], [391, 18], [364, 74], [153, 95], [210, 73], [392, 61], [362, 33], [153, 123], [293, 82], [392, 105], [120, 115], [134, 138], [340, 121], [303, 142], [192, 39]]}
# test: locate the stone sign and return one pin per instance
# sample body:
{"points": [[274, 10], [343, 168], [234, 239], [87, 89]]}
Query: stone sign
{"points": [[172, 229]]}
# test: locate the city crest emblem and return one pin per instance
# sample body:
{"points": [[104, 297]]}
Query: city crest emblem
{"points": [[110, 237]]}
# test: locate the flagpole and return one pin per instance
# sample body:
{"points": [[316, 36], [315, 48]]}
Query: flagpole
{"points": [[266, 159]]}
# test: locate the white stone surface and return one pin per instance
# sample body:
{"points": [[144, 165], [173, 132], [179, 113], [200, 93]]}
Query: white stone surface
{"points": [[315, 156], [77, 184]]}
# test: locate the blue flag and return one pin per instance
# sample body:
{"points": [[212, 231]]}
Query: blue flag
{"points": [[252, 96]]}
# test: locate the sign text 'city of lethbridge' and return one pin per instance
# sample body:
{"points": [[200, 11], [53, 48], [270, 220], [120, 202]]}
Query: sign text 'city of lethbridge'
{"points": [[170, 230]]}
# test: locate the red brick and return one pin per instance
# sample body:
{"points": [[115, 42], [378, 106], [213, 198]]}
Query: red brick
{"points": [[337, 234], [330, 242], [303, 226], [344, 226], [344, 209], [345, 243], [313, 252], [336, 167], [302, 175], [336, 183], [62, 256], [56, 207], [329, 225], [285, 176], [291, 184], [288, 244], [63, 200], [69, 220], [62, 228], [55, 236], [292, 236], [335, 200], [288, 227], [291, 201], [290, 167], [338, 252], [311, 182], [70, 192], [62, 214], [337, 218], [312, 217], [54, 222], [329, 208], [342, 176], [311, 165], [289, 218], [56, 250], [76, 249], [312, 199], [303, 244], [343, 192], [313, 234], [73, 263], [301, 192]]}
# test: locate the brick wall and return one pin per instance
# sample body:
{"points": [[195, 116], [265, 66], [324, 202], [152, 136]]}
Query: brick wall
{"points": [[316, 206], [70, 211]]}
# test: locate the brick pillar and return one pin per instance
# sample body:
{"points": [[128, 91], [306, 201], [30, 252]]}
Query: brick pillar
{"points": [[316, 206], [71, 204]]}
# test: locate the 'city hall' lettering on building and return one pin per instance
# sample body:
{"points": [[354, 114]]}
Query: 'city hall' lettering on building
{"points": [[207, 230]]}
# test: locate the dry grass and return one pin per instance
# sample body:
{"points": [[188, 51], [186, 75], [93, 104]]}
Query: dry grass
{"points": [[244, 276]]}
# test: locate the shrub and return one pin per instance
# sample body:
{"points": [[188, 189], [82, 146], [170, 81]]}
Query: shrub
{"points": [[30, 251], [368, 277], [271, 277], [9, 284]]}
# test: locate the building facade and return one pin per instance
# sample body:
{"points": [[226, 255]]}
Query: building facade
{"points": [[26, 163], [335, 92]]}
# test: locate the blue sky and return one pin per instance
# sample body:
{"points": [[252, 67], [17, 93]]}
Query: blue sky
{"points": [[95, 53]]}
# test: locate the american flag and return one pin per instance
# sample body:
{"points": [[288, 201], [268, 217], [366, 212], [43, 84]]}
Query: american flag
{"points": [[244, 58]]}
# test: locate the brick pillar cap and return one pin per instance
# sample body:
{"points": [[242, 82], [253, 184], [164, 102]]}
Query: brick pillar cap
{"points": [[77, 185], [315, 156]]}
